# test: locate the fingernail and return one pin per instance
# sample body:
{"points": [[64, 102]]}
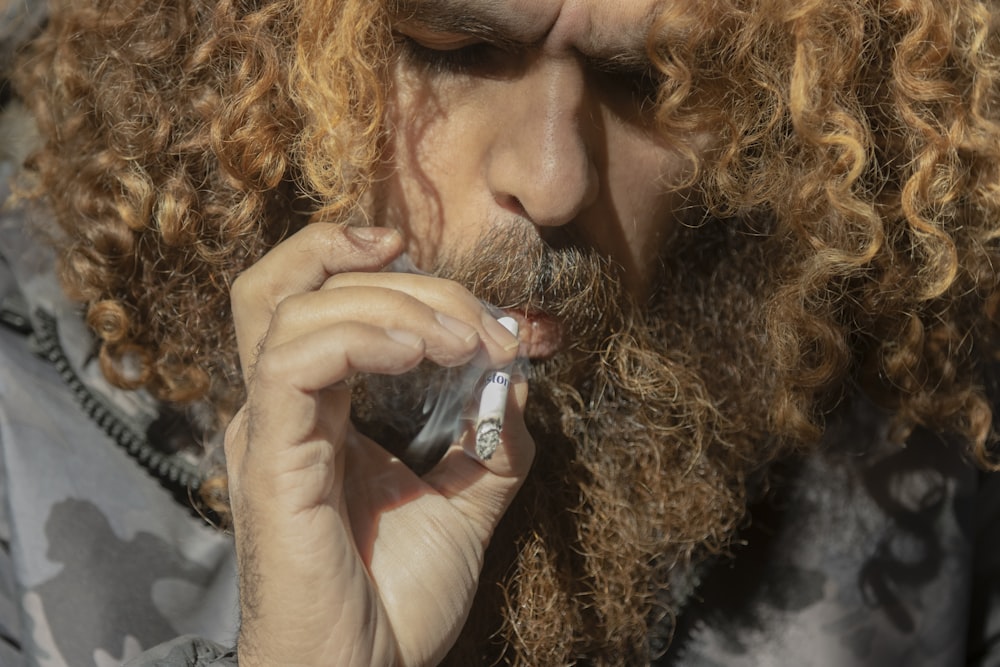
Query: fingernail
{"points": [[464, 331], [404, 337], [369, 235], [499, 334]]}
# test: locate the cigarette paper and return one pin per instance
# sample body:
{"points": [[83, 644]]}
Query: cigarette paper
{"points": [[492, 403]]}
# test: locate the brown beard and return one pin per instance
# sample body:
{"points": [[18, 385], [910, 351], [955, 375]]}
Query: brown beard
{"points": [[648, 426]]}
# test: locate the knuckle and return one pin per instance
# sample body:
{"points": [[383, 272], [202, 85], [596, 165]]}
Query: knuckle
{"points": [[396, 301], [283, 310], [267, 367], [243, 284], [456, 292], [323, 233], [287, 312], [337, 281], [251, 290]]}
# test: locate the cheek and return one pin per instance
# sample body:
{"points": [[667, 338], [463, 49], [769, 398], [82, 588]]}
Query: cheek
{"points": [[640, 174], [429, 169], [414, 169]]}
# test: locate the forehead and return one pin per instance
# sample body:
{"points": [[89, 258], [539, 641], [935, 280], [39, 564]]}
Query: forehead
{"points": [[591, 26]]}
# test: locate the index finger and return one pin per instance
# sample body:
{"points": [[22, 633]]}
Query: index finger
{"points": [[302, 263]]}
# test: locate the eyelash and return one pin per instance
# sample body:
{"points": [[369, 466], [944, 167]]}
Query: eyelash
{"points": [[478, 56], [646, 85], [455, 61]]}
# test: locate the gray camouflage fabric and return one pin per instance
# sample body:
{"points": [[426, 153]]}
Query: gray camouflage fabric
{"points": [[98, 562], [867, 553]]}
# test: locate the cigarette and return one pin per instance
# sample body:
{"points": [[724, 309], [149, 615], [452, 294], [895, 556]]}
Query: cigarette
{"points": [[492, 404]]}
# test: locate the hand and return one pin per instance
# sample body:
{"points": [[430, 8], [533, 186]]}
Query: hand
{"points": [[346, 557]]}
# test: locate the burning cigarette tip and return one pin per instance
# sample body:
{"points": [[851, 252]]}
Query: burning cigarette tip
{"points": [[488, 439]]}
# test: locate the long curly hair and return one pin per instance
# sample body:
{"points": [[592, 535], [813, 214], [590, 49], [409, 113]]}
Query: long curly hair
{"points": [[858, 144], [869, 131]]}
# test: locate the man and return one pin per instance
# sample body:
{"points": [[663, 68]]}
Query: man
{"points": [[723, 228]]}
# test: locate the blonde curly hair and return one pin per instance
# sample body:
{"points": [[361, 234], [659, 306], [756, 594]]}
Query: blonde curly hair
{"points": [[861, 139]]}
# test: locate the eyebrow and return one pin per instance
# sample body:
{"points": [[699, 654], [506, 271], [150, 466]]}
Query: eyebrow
{"points": [[455, 16], [483, 21], [625, 62]]}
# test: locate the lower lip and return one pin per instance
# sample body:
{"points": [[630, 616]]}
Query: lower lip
{"points": [[541, 334]]}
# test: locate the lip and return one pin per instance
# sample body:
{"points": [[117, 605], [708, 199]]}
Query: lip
{"points": [[541, 334]]}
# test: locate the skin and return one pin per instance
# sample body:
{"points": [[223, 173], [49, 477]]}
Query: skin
{"points": [[346, 557], [563, 153]]}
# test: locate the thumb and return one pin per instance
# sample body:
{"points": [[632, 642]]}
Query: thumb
{"points": [[483, 490]]}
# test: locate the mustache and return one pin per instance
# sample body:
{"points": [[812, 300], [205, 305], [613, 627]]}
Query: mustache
{"points": [[514, 269], [419, 414]]}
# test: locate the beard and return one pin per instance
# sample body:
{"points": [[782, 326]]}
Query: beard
{"points": [[649, 423]]}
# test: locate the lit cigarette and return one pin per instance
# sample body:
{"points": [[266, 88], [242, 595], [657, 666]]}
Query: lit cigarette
{"points": [[492, 404]]}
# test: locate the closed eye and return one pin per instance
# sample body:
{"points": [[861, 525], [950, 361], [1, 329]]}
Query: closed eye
{"points": [[642, 81], [464, 57]]}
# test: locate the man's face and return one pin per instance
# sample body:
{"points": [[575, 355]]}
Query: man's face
{"points": [[521, 158], [530, 114]]}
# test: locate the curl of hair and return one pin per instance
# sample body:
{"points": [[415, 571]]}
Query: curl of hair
{"points": [[167, 130], [182, 140], [867, 133]]}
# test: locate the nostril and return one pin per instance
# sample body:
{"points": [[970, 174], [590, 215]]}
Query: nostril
{"points": [[513, 204]]}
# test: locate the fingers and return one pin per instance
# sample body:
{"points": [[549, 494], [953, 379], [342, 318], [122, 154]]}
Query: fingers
{"points": [[315, 311], [301, 264], [280, 298], [446, 297], [288, 376], [449, 337]]}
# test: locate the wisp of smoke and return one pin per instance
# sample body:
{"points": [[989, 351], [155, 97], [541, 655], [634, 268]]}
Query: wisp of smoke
{"points": [[419, 414]]}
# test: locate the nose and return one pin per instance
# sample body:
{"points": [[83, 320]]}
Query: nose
{"points": [[541, 164]]}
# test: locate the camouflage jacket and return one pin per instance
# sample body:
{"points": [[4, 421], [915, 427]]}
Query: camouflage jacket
{"points": [[864, 553], [101, 556]]}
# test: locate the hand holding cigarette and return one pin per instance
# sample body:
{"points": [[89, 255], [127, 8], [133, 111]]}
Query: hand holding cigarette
{"points": [[321, 511]]}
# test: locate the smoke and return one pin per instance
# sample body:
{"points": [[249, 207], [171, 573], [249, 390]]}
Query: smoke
{"points": [[418, 415]]}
